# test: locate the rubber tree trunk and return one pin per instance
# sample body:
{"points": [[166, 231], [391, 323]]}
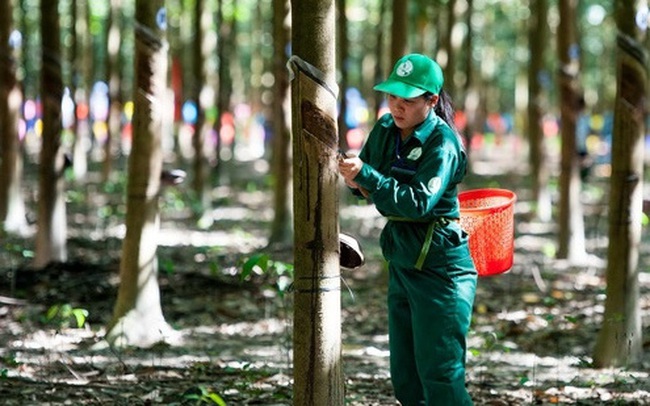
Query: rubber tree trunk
{"points": [[378, 74], [281, 228], [537, 39], [343, 68], [137, 316], [399, 30], [225, 52], [12, 205], [113, 75], [199, 165], [317, 301], [571, 244], [620, 341], [83, 69], [471, 97], [52, 228], [450, 49], [317, 369]]}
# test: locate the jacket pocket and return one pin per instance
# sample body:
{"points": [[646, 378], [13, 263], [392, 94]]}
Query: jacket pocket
{"points": [[449, 249]]}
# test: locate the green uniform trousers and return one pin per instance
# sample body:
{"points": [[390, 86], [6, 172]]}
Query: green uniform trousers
{"points": [[429, 313]]}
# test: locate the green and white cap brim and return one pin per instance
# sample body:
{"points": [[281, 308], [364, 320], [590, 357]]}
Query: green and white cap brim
{"points": [[413, 75], [400, 89]]}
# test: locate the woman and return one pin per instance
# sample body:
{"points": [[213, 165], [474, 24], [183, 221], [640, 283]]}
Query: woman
{"points": [[410, 167]]}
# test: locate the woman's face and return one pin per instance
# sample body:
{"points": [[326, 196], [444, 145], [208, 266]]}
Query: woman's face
{"points": [[408, 113]]}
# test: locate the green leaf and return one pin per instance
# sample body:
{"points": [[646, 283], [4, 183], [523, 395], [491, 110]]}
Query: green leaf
{"points": [[192, 396], [65, 311], [282, 267], [549, 250], [52, 312], [216, 399], [195, 393], [167, 266], [571, 319], [257, 260], [80, 315]]}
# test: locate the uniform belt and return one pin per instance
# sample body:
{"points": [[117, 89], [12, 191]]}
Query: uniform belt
{"points": [[433, 223], [443, 220]]}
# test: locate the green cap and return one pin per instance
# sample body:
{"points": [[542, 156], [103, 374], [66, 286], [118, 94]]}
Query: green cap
{"points": [[412, 76]]}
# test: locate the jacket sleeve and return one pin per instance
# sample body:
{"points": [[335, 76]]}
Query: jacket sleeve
{"points": [[418, 198]]}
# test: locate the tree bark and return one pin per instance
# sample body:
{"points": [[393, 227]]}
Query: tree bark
{"points": [[380, 64], [449, 62], [137, 318], [225, 43], [399, 30], [52, 228], [83, 70], [538, 155], [281, 230], [113, 75], [198, 78], [12, 205], [620, 340], [318, 379], [471, 91], [343, 55], [571, 223]]}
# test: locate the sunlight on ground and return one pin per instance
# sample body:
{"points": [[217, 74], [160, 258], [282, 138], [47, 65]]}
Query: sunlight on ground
{"points": [[243, 242], [530, 371], [53, 340], [249, 329]]}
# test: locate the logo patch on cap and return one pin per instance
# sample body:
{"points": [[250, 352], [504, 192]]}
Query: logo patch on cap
{"points": [[405, 68]]}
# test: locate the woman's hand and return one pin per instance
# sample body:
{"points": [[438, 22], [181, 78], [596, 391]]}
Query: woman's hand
{"points": [[349, 169]]}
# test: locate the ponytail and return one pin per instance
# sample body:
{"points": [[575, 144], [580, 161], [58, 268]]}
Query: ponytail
{"points": [[445, 110]]}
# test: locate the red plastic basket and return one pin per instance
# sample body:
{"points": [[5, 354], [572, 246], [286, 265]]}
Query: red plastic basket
{"points": [[488, 217]]}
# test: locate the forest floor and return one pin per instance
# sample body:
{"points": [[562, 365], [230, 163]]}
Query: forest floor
{"points": [[532, 337]]}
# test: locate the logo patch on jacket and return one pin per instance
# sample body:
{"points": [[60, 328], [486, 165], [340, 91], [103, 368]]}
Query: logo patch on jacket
{"points": [[415, 154], [434, 184]]}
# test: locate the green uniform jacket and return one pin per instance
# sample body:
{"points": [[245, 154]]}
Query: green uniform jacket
{"points": [[414, 183]]}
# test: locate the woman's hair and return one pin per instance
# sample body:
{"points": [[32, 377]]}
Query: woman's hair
{"points": [[445, 110]]}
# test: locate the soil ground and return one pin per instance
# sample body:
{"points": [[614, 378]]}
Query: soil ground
{"points": [[533, 332]]}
